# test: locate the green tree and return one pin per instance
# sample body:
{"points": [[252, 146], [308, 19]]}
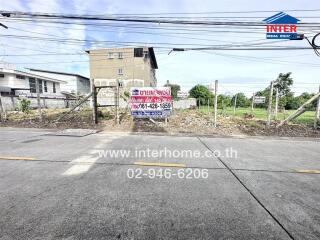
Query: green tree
{"points": [[202, 94], [174, 89], [283, 83], [224, 101], [242, 100]]}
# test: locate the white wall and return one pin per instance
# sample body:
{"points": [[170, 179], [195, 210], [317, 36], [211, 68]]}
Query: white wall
{"points": [[184, 103], [73, 83], [10, 80], [10, 103]]}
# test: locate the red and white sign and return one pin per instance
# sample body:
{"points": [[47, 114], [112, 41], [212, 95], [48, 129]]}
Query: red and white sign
{"points": [[151, 102]]}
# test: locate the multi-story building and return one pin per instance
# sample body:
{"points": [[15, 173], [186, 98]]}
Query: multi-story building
{"points": [[135, 67], [72, 83]]}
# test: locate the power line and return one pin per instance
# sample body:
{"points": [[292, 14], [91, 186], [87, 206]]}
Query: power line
{"points": [[129, 19]]}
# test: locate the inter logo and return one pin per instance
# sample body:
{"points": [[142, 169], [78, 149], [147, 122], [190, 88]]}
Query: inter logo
{"points": [[282, 26]]}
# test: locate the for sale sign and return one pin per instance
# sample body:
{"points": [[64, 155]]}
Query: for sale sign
{"points": [[259, 99], [151, 102]]}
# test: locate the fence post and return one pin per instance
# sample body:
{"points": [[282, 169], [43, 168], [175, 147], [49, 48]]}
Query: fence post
{"points": [[270, 104], [252, 102], [117, 101], [94, 103], [317, 117], [2, 110], [235, 104], [277, 104], [215, 102], [38, 99]]}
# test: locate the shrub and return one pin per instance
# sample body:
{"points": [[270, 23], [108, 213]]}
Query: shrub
{"points": [[24, 105]]}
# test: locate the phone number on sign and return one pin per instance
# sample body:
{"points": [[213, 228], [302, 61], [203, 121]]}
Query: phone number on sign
{"points": [[167, 173]]}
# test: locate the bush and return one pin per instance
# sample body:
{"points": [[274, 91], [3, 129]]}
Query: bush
{"points": [[24, 105]]}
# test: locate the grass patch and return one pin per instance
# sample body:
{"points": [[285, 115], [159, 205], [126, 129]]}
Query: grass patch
{"points": [[306, 118]]}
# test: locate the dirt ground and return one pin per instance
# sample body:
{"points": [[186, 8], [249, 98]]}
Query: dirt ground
{"points": [[181, 122]]}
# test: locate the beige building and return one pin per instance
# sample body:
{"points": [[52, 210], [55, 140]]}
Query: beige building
{"points": [[135, 67]]}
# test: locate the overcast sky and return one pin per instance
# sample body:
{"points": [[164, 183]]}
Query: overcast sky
{"points": [[237, 71]]}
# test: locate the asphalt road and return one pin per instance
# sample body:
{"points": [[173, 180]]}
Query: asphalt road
{"points": [[64, 187]]}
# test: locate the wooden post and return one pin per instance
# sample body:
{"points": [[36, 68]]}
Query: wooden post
{"points": [[277, 104], [215, 102], [94, 103], [270, 104], [38, 100], [235, 104], [317, 118], [208, 105], [252, 102]]}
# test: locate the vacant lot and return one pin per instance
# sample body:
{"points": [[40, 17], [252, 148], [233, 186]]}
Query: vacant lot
{"points": [[260, 113], [197, 121]]}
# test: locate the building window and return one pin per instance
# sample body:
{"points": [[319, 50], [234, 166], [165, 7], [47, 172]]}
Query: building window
{"points": [[1, 75], [110, 55], [120, 71], [32, 85], [120, 55], [54, 87], [40, 86], [138, 52], [45, 86], [20, 77]]}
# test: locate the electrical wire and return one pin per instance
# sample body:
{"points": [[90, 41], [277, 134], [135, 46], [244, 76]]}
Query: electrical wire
{"points": [[313, 44]]}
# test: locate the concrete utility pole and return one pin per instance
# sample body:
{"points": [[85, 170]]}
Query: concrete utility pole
{"points": [[38, 100], [235, 104], [252, 102], [215, 102], [317, 118], [270, 104], [277, 104]]}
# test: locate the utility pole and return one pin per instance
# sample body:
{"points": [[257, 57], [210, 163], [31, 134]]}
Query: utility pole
{"points": [[317, 118], [277, 104], [38, 99], [235, 104], [252, 102], [270, 104], [215, 102]]}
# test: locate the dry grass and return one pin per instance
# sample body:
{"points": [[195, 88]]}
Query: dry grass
{"points": [[181, 122]]}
